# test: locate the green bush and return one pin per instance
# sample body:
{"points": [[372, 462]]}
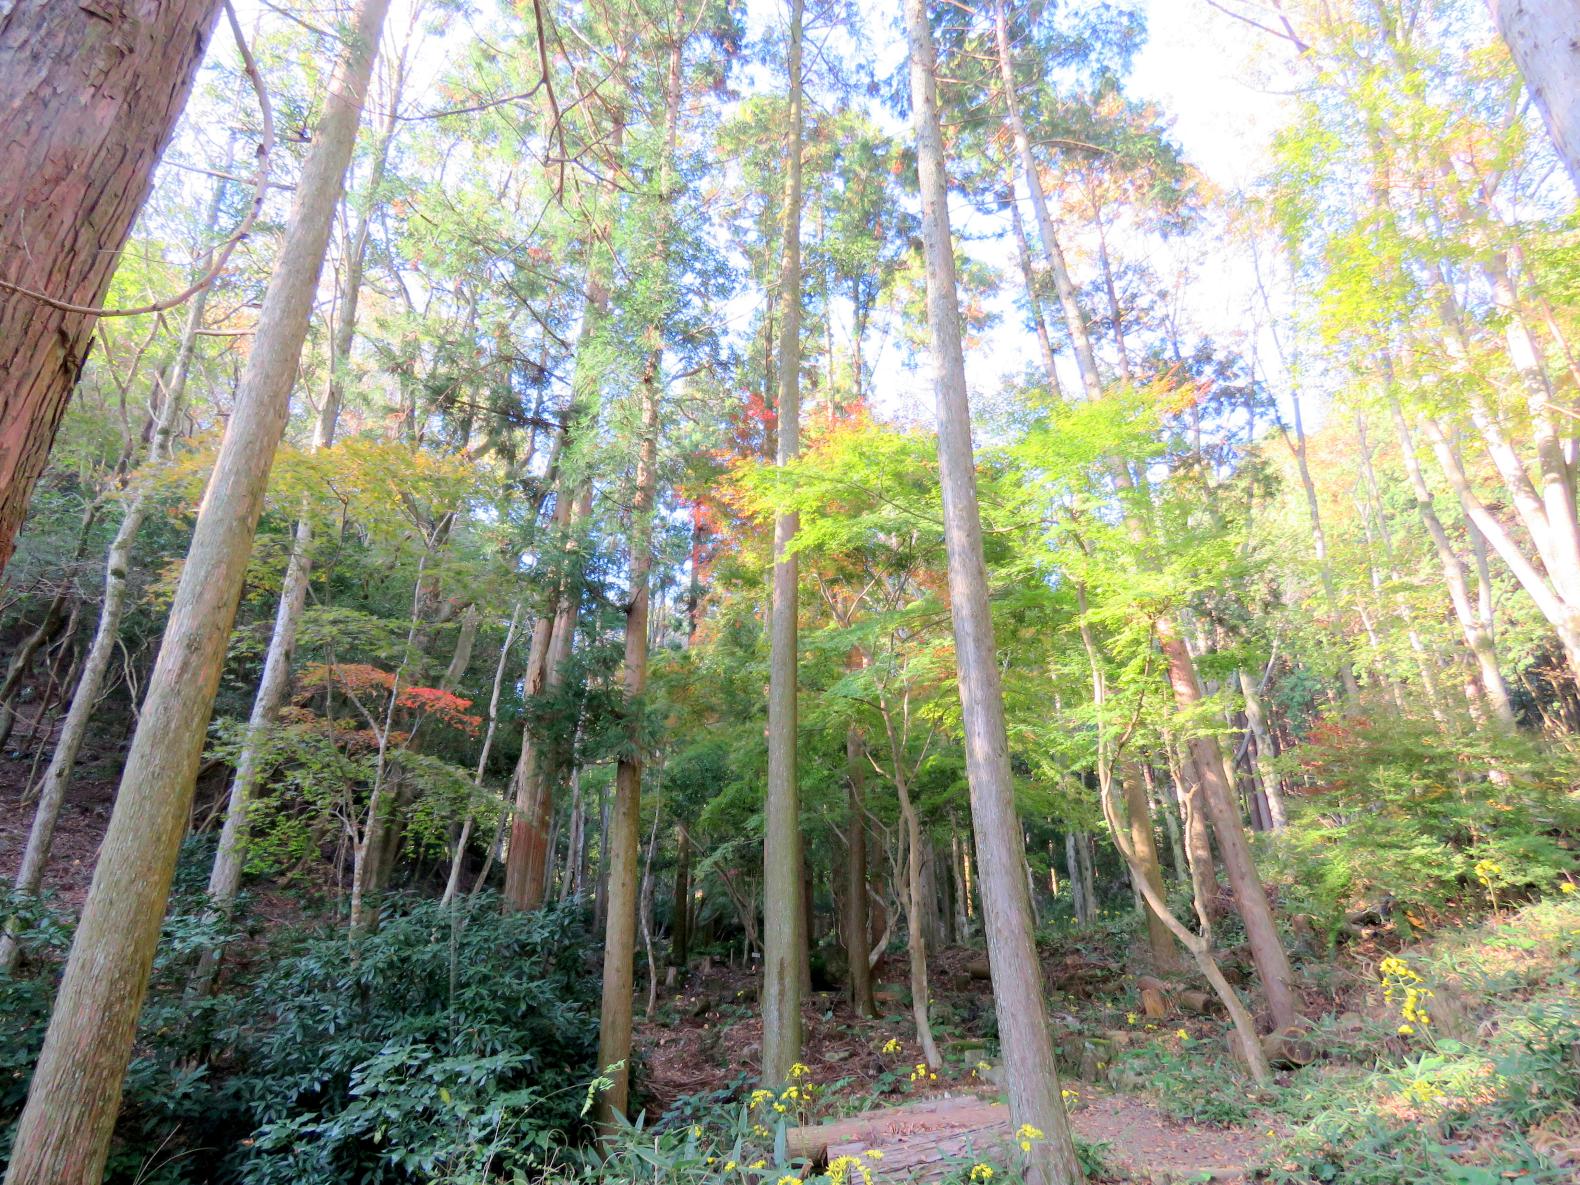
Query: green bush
{"points": [[1400, 816], [433, 1051]]}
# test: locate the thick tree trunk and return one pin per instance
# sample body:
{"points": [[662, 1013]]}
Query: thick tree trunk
{"points": [[1544, 38], [1031, 1077], [63, 1136], [1250, 897], [89, 96], [784, 926]]}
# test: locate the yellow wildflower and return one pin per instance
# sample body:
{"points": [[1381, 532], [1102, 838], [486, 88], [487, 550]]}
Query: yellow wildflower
{"points": [[799, 1070], [892, 1045], [1182, 1034], [1027, 1135], [981, 1172], [873, 1154], [729, 1166], [779, 1107], [759, 1164], [1566, 887], [696, 1131], [1406, 1030]]}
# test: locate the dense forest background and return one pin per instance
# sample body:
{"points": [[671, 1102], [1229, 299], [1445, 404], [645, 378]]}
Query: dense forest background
{"points": [[511, 676]]}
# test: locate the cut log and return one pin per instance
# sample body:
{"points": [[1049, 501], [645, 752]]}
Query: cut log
{"points": [[1204, 1003], [884, 1127], [1289, 1048], [1153, 1004]]}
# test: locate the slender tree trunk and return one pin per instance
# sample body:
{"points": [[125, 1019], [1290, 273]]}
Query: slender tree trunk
{"points": [[1165, 957], [1250, 897], [89, 96], [1164, 805], [916, 902], [784, 926], [230, 855], [1031, 1076], [63, 1136], [1075, 320], [1256, 720], [1319, 545], [1039, 323], [1478, 639], [857, 923], [680, 909], [1080, 907], [614, 1029], [452, 884]]}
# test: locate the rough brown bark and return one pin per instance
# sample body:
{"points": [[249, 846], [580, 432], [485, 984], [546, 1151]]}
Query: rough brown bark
{"points": [[89, 95], [63, 1136], [1031, 1077], [784, 926]]}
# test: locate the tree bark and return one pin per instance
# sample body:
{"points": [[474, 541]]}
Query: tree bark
{"points": [[1031, 1076], [89, 97], [64, 1133], [784, 926], [1250, 897], [1544, 39], [1477, 638], [614, 1029], [857, 923], [1165, 956]]}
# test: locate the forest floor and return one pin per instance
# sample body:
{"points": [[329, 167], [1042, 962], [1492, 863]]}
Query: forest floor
{"points": [[1487, 1093]]}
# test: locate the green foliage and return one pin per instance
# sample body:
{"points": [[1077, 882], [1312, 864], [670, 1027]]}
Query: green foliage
{"points": [[1400, 815], [448, 1045]]}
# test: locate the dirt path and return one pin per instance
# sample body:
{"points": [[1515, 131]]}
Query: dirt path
{"points": [[1151, 1146], [932, 1138]]}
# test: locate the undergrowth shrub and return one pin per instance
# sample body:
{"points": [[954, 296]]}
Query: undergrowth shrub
{"points": [[435, 1051], [1404, 818]]}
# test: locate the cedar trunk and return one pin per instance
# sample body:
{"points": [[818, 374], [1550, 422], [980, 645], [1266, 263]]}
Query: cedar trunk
{"points": [[1031, 1077], [784, 924], [89, 96]]}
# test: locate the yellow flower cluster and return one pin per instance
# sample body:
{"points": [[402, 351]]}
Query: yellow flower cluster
{"points": [[923, 1074], [1401, 982], [892, 1045], [1027, 1135], [852, 1167], [1486, 870], [981, 1172]]}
